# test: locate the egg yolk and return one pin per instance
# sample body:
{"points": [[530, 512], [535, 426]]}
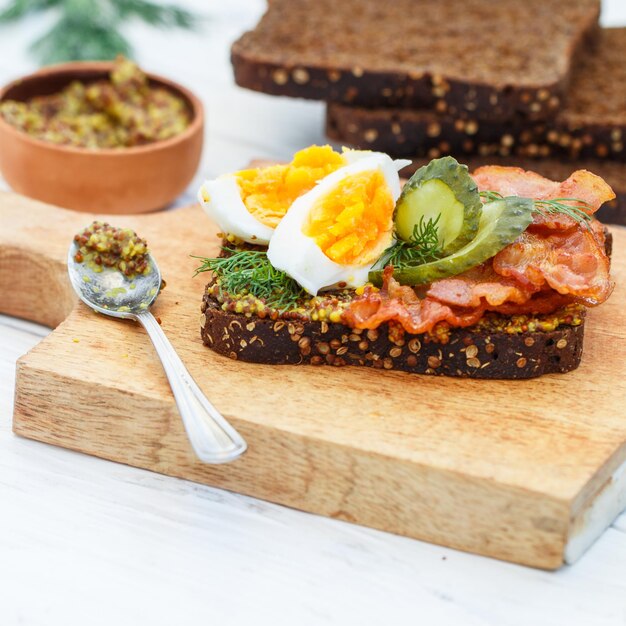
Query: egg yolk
{"points": [[351, 223], [268, 192]]}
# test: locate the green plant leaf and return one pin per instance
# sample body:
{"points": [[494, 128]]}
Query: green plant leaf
{"points": [[90, 29], [21, 8], [69, 40], [155, 14]]}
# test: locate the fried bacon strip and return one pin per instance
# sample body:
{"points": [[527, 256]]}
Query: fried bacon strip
{"points": [[479, 287], [570, 262], [459, 301], [400, 304], [514, 181], [542, 303]]}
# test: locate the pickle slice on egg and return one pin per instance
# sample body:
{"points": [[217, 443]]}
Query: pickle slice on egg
{"points": [[501, 223], [442, 189]]}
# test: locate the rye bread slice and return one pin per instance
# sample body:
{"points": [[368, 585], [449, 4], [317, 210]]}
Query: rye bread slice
{"points": [[592, 123], [470, 352], [482, 351], [501, 58], [493, 348]]}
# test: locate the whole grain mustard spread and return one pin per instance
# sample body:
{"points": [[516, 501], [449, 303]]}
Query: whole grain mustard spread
{"points": [[120, 112], [101, 245]]}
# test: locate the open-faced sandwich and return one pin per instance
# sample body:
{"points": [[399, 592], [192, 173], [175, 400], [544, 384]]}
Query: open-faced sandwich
{"points": [[328, 260]]}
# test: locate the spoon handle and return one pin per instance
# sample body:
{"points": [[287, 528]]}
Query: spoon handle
{"points": [[213, 439]]}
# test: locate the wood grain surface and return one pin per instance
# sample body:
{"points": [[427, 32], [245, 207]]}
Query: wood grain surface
{"points": [[502, 468]]}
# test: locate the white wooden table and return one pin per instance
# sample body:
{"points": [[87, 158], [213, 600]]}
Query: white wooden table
{"points": [[85, 541]]}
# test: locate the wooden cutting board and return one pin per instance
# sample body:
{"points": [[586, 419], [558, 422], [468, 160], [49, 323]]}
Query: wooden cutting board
{"points": [[527, 471]]}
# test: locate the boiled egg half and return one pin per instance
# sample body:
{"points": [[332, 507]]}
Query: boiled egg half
{"points": [[249, 204], [335, 233]]}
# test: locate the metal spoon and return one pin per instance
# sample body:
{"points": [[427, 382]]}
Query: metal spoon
{"points": [[112, 293]]}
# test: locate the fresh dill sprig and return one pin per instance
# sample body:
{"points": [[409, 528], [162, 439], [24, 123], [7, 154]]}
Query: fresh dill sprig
{"points": [[422, 247], [491, 196], [249, 272], [572, 207]]}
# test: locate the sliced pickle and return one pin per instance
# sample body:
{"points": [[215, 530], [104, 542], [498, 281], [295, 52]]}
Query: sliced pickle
{"points": [[442, 188], [501, 223]]}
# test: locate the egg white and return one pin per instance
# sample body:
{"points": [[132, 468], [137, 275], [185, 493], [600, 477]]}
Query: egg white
{"points": [[226, 208], [291, 251]]}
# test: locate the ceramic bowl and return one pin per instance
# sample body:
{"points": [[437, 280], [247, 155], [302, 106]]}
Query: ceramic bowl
{"points": [[124, 180]]}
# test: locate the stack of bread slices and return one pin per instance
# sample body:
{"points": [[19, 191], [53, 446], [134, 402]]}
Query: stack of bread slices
{"points": [[537, 84]]}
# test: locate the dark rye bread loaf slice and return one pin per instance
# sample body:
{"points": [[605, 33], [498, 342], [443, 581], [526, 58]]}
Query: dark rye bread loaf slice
{"points": [[497, 347], [475, 352], [501, 58], [592, 123], [486, 350]]}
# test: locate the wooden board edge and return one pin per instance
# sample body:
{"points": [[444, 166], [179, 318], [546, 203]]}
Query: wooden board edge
{"points": [[599, 508], [43, 294], [397, 496]]}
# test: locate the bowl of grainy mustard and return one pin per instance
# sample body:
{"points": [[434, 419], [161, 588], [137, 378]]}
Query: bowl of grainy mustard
{"points": [[100, 137]]}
